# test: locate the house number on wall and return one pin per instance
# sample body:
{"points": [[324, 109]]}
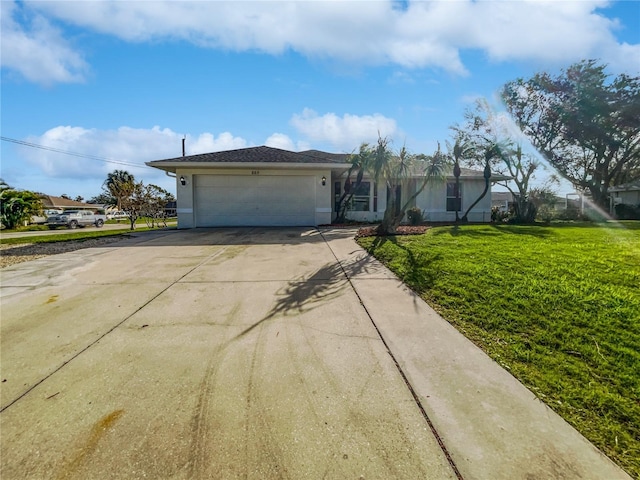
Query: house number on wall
{"points": [[255, 172]]}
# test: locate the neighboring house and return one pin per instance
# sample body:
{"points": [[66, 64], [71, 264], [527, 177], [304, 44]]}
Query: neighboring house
{"points": [[627, 194], [49, 202], [54, 205], [505, 200], [170, 208], [264, 186], [502, 200], [560, 203]]}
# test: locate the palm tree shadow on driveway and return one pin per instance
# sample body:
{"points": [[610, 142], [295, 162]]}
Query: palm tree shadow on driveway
{"points": [[308, 292]]}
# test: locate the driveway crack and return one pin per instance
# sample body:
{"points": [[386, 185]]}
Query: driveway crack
{"points": [[97, 340]]}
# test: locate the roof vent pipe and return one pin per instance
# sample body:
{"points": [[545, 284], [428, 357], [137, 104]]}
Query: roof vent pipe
{"points": [[183, 140]]}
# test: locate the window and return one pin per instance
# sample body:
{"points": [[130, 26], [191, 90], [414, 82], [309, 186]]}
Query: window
{"points": [[337, 186], [453, 203], [375, 197], [360, 200]]}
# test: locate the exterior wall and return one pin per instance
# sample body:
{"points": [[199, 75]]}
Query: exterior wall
{"points": [[631, 197], [361, 216], [185, 194], [433, 201]]}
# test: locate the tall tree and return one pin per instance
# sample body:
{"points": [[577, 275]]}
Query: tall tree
{"points": [[104, 198], [586, 124], [119, 184], [485, 131]]}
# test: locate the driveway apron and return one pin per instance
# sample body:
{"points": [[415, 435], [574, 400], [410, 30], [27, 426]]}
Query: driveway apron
{"points": [[209, 353]]}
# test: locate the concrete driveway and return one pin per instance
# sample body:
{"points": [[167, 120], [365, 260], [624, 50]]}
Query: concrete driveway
{"points": [[255, 353], [202, 354]]}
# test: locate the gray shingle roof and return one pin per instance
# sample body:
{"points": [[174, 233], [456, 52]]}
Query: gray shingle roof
{"points": [[49, 201], [626, 187], [261, 154], [272, 155]]}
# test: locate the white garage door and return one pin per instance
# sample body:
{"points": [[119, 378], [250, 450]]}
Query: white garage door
{"points": [[254, 200]]}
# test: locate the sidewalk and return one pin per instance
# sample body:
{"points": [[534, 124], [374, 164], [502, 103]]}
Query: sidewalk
{"points": [[491, 425]]}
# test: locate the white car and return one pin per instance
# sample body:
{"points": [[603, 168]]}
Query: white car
{"points": [[118, 216], [77, 218]]}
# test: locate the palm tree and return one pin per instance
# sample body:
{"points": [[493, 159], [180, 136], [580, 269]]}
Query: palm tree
{"points": [[394, 169], [119, 184], [359, 163], [491, 151], [462, 149]]}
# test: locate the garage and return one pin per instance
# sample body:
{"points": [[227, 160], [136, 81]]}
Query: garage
{"points": [[255, 186], [254, 200]]}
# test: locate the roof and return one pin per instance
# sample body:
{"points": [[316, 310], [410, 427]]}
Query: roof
{"points": [[502, 196], [626, 187], [276, 157], [468, 172], [337, 157], [255, 155], [49, 201]]}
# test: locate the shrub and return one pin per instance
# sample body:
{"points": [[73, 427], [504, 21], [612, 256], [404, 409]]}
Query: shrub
{"points": [[570, 214], [546, 213], [627, 212], [415, 216], [498, 216]]}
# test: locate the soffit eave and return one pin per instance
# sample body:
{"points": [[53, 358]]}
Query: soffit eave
{"points": [[173, 166]]}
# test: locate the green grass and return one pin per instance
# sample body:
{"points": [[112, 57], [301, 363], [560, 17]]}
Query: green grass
{"points": [[74, 235], [558, 306]]}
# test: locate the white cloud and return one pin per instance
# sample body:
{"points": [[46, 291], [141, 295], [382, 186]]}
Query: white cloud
{"points": [[98, 152], [424, 34], [206, 142], [39, 53], [280, 140], [127, 148], [345, 133], [284, 142], [547, 31]]}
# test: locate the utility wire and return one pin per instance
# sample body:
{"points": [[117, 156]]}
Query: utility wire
{"points": [[66, 152]]}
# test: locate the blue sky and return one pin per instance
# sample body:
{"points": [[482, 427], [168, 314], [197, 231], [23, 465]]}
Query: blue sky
{"points": [[125, 81]]}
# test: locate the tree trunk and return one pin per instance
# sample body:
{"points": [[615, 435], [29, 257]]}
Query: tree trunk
{"points": [[392, 215], [487, 176], [390, 220], [525, 211]]}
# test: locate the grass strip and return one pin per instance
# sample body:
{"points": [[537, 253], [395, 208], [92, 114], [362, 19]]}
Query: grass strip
{"points": [[77, 235], [557, 306]]}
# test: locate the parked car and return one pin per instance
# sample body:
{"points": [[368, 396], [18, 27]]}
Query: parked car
{"points": [[117, 216], [42, 219], [76, 218]]}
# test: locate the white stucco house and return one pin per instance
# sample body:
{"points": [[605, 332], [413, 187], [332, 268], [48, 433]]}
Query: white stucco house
{"points": [[628, 194], [265, 186]]}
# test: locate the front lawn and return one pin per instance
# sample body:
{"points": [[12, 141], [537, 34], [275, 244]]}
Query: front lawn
{"points": [[79, 234], [558, 306]]}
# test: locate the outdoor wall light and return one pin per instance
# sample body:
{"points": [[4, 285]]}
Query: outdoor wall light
{"points": [[183, 181], [324, 180]]}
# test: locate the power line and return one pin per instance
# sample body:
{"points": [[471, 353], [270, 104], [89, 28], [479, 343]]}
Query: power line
{"points": [[66, 152]]}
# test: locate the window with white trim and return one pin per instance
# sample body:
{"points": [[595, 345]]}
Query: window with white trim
{"points": [[361, 198]]}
